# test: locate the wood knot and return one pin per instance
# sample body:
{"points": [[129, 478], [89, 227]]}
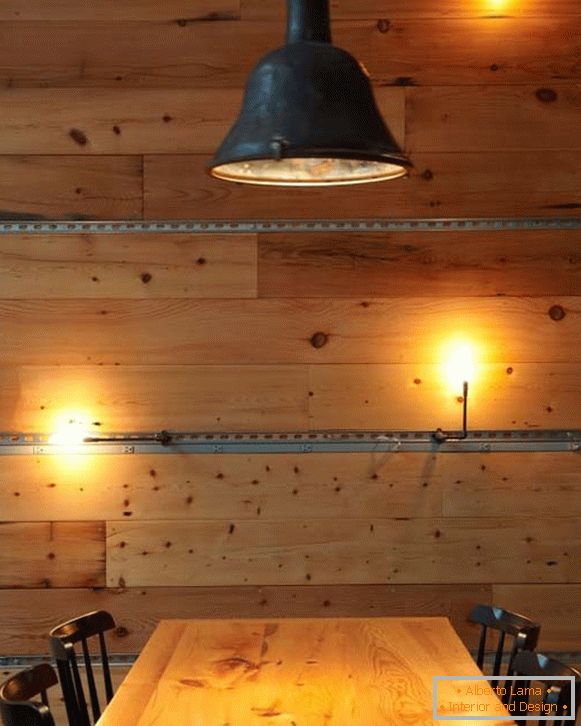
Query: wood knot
{"points": [[546, 95], [427, 174], [121, 632], [318, 340], [117, 130], [556, 313], [228, 665], [79, 137], [383, 25], [494, 67], [404, 81], [145, 278], [193, 682]]}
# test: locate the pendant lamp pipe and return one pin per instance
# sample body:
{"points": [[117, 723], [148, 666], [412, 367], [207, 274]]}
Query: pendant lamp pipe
{"points": [[309, 117], [308, 21]]}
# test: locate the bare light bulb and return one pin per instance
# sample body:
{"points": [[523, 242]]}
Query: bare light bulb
{"points": [[69, 433], [460, 365]]}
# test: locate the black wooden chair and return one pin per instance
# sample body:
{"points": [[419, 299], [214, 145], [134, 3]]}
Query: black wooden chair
{"points": [[18, 704], [525, 634], [556, 695], [63, 639]]}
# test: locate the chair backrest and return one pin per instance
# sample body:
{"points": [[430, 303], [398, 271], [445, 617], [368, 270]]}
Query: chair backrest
{"points": [[17, 706], [63, 639], [555, 699], [525, 634]]}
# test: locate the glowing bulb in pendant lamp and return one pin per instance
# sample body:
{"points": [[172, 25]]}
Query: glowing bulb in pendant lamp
{"points": [[309, 118], [459, 365]]}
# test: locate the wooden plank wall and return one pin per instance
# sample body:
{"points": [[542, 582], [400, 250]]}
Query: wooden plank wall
{"points": [[111, 111]]}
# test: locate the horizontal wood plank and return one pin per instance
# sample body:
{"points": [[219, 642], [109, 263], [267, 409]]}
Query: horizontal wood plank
{"points": [[528, 486], [112, 11], [371, 551], [52, 554], [48, 187], [264, 487], [116, 121], [339, 265], [152, 398], [480, 184], [503, 50], [556, 607], [128, 266], [420, 397], [135, 121], [173, 332], [289, 486], [480, 118], [29, 615], [363, 9]]}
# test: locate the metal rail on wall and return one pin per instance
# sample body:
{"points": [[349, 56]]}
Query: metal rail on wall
{"points": [[213, 226], [166, 442]]}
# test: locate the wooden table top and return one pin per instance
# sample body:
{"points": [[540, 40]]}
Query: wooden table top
{"points": [[296, 672]]}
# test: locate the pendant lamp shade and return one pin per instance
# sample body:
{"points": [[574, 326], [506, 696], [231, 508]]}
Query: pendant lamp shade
{"points": [[309, 117]]}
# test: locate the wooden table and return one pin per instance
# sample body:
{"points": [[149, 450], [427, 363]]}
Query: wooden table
{"points": [[331, 672]]}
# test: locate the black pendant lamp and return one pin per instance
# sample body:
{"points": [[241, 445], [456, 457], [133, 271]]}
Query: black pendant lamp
{"points": [[309, 117]]}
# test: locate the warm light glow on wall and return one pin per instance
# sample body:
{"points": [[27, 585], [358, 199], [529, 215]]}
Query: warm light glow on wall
{"points": [[496, 6], [502, 8], [69, 432], [459, 364]]}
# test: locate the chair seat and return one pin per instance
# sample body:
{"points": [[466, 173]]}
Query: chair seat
{"points": [[17, 707]]}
